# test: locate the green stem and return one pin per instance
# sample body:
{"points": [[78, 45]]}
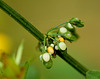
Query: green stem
{"points": [[73, 63], [53, 39], [20, 19], [35, 32], [56, 27], [44, 43]]}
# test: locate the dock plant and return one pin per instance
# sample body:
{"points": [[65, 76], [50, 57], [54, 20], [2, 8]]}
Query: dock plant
{"points": [[50, 44]]}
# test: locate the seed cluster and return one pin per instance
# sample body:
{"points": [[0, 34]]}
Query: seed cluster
{"points": [[54, 40]]}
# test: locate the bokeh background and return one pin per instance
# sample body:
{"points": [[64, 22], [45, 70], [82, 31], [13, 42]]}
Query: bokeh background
{"points": [[45, 14]]}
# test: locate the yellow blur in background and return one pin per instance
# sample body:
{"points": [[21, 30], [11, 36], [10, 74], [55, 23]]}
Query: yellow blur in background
{"points": [[5, 44], [46, 14]]}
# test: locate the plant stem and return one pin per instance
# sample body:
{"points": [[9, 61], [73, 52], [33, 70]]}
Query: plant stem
{"points": [[20, 19], [56, 27], [35, 32], [73, 63]]}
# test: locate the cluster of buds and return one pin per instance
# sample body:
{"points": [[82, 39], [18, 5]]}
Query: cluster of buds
{"points": [[55, 40]]}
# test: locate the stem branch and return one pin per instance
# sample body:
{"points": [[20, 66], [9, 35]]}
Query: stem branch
{"points": [[36, 33]]}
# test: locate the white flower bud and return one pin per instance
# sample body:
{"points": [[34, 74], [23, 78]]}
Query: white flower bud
{"points": [[40, 57], [59, 36], [45, 47], [70, 26], [62, 45], [52, 45], [63, 30], [46, 57], [56, 47]]}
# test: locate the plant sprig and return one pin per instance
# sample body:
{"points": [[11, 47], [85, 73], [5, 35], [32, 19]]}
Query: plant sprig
{"points": [[57, 39], [36, 33]]}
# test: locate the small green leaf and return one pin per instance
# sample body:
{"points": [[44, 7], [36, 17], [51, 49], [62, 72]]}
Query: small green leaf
{"points": [[31, 72], [92, 75], [26, 68], [19, 53]]}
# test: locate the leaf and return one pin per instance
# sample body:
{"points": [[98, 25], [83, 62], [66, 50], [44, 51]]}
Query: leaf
{"points": [[92, 75], [19, 53], [10, 67], [31, 72], [26, 68]]}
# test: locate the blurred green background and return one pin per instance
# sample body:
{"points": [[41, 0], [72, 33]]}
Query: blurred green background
{"points": [[45, 14]]}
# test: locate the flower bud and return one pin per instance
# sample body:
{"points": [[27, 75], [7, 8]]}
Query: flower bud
{"points": [[62, 46], [69, 26], [76, 22], [45, 47], [46, 57], [59, 36], [52, 45], [50, 50], [41, 57], [67, 35], [61, 39], [62, 30], [56, 47]]}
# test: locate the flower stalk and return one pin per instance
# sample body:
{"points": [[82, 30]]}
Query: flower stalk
{"points": [[37, 34]]}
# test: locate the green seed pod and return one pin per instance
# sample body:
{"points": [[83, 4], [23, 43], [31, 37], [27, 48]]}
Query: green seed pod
{"points": [[56, 47], [62, 45], [67, 35], [48, 64], [70, 26], [70, 37], [79, 24], [76, 22], [62, 30], [46, 57]]}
